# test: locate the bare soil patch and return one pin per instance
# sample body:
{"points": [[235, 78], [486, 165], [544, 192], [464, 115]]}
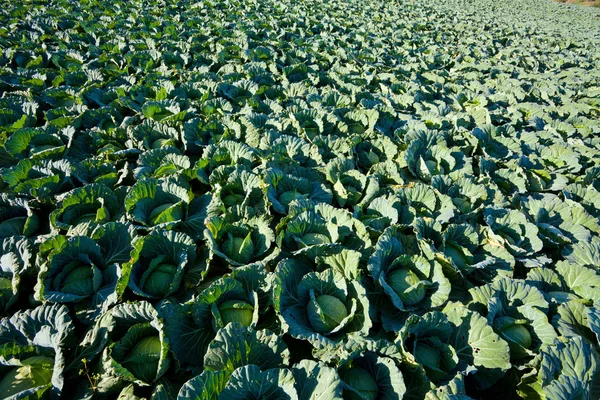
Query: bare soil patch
{"points": [[589, 3]]}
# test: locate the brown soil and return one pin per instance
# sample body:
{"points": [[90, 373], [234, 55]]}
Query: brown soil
{"points": [[591, 3]]}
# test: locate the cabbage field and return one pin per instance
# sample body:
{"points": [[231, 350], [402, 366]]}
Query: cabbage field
{"points": [[304, 200]]}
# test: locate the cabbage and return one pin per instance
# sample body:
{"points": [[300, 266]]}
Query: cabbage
{"points": [[236, 311], [158, 143], [430, 358], [96, 215], [369, 158], [456, 255], [79, 279], [155, 214], [14, 226], [432, 167], [332, 313], [35, 372], [142, 360], [287, 197], [39, 149], [312, 239], [89, 217], [347, 192], [403, 282], [516, 334], [239, 249], [158, 282], [361, 381], [232, 195], [5, 284]]}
